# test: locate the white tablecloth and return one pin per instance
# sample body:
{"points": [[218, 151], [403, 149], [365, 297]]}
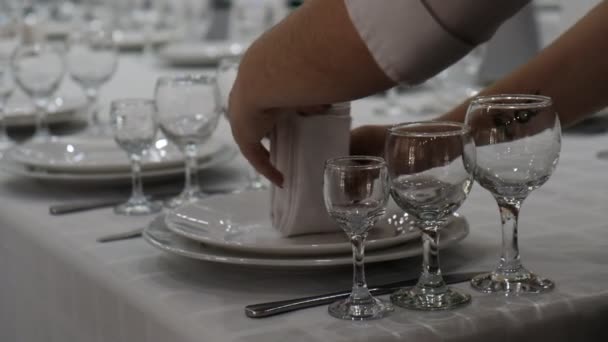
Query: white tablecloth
{"points": [[58, 284]]}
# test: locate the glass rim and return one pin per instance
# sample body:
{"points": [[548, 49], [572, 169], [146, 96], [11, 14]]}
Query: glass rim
{"points": [[462, 129], [186, 79], [335, 163], [500, 101], [132, 101]]}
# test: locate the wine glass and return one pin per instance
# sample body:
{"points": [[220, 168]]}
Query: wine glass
{"points": [[7, 86], [518, 140], [92, 60], [356, 192], [188, 116], [431, 167], [38, 69], [134, 123], [225, 75]]}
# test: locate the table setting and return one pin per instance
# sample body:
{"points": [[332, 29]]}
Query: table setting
{"points": [[135, 217]]}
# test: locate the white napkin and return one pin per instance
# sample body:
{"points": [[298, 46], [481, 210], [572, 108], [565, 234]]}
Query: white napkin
{"points": [[299, 146]]}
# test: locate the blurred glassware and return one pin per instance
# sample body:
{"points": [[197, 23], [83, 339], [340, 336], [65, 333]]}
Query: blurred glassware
{"points": [[460, 81], [196, 19], [225, 76], [134, 122], [38, 70], [7, 86], [391, 104], [249, 19], [188, 115], [92, 60], [518, 140]]}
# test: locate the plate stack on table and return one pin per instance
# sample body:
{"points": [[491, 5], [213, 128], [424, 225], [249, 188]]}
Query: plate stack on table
{"points": [[64, 109], [237, 229], [85, 160]]}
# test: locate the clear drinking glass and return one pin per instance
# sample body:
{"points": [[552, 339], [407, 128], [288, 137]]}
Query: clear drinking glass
{"points": [[134, 123], [356, 193], [7, 86], [92, 60], [38, 70], [431, 167], [518, 140], [188, 116], [225, 76]]}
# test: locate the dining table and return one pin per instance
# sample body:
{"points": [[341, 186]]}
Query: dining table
{"points": [[57, 283]]}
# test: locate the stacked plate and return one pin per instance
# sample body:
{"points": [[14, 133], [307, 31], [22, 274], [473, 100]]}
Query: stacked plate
{"points": [[82, 159], [20, 111], [202, 53], [236, 229]]}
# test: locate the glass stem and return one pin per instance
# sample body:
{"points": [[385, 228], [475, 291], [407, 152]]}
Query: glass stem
{"points": [[42, 128], [360, 293], [192, 186], [431, 280], [392, 98], [138, 193], [92, 96], [3, 131], [509, 214]]}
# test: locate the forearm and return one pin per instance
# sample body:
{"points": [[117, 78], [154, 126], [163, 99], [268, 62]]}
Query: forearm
{"points": [[325, 63], [573, 71]]}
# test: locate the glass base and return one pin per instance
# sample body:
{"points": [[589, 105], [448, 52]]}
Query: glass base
{"points": [[512, 283], [136, 208], [348, 309], [185, 198], [392, 111], [412, 298], [42, 138], [256, 185]]}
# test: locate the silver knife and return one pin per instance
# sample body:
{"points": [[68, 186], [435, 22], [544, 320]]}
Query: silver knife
{"points": [[131, 234], [274, 308]]}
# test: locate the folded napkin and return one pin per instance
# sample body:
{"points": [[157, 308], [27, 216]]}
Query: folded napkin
{"points": [[299, 146]]}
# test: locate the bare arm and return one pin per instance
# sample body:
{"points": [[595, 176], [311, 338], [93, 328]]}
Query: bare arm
{"points": [[573, 70]]}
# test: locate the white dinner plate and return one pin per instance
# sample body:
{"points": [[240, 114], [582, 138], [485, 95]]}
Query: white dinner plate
{"points": [[159, 236], [225, 154], [215, 222], [20, 111], [127, 39], [85, 155], [203, 53]]}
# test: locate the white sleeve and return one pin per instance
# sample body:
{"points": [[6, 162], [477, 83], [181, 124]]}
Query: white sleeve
{"points": [[411, 40]]}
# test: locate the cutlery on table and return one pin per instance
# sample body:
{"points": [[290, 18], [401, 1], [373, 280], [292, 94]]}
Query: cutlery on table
{"points": [[84, 205], [274, 308], [131, 234]]}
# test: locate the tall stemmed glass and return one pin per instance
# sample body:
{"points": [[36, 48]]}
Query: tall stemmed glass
{"points": [[518, 140], [134, 122], [92, 60], [38, 69], [188, 116], [431, 167], [7, 86], [356, 192], [225, 75]]}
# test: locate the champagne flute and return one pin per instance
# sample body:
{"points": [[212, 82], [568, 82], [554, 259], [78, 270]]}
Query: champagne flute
{"points": [[518, 140], [225, 75], [356, 193], [134, 123], [188, 116], [38, 69], [431, 167], [92, 60]]}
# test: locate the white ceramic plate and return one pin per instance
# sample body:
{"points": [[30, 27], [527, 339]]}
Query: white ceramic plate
{"points": [[137, 39], [21, 113], [85, 155], [203, 53], [249, 229], [159, 236], [226, 153]]}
